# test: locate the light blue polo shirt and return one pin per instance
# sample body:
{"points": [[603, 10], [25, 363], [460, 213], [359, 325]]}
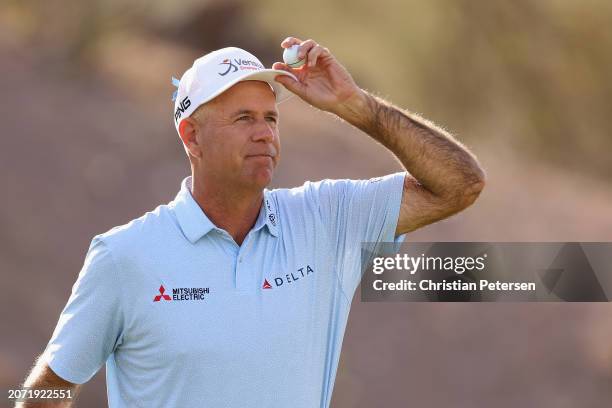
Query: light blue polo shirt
{"points": [[184, 317]]}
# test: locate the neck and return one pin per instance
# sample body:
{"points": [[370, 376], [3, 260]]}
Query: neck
{"points": [[233, 209]]}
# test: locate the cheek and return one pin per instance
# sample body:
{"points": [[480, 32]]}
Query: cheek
{"points": [[277, 142], [221, 146]]}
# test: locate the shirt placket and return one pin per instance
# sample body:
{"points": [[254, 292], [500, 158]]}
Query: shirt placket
{"points": [[243, 274]]}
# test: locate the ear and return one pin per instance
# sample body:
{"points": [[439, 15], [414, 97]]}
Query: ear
{"points": [[188, 130]]}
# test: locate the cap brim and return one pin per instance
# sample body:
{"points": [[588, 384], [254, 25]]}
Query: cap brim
{"points": [[266, 75]]}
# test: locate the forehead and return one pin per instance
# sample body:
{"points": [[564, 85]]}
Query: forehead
{"points": [[249, 95]]}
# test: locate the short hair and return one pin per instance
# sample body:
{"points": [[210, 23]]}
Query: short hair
{"points": [[200, 115], [201, 111]]}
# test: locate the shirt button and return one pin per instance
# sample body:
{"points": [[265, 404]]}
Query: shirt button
{"points": [[239, 260]]}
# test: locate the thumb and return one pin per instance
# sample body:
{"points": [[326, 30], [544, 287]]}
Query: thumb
{"points": [[291, 84], [283, 67], [294, 86]]}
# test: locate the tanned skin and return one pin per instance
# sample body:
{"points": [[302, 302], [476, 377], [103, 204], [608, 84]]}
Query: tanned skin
{"points": [[42, 377], [233, 147], [445, 176]]}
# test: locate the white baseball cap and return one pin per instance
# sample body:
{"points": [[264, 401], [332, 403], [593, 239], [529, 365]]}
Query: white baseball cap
{"points": [[216, 72]]}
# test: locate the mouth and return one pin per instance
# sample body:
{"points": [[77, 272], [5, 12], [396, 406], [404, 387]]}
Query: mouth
{"points": [[253, 156]]}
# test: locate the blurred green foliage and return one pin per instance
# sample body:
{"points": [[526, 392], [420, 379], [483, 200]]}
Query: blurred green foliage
{"points": [[531, 74]]}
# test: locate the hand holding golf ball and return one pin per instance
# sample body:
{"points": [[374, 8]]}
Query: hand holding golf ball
{"points": [[290, 56], [321, 80]]}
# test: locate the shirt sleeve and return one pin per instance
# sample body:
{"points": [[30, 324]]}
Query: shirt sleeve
{"points": [[358, 211], [90, 326]]}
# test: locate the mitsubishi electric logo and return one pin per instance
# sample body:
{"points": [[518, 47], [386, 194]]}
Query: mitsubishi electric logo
{"points": [[162, 295], [289, 278], [233, 65], [181, 294]]}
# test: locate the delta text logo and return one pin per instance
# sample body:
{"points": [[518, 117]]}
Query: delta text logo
{"points": [[235, 64], [289, 278], [185, 103], [180, 294]]}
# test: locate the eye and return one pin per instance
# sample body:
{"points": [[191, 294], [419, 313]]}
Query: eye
{"points": [[244, 117], [272, 118]]}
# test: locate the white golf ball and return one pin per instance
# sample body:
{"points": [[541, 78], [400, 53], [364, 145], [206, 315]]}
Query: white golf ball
{"points": [[290, 56]]}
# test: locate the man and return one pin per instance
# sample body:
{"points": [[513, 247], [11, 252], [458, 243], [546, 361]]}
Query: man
{"points": [[233, 295]]}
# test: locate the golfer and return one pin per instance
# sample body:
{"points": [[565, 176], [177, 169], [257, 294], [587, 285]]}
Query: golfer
{"points": [[233, 295]]}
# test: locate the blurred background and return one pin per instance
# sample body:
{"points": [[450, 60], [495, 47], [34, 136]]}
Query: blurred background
{"points": [[87, 143]]}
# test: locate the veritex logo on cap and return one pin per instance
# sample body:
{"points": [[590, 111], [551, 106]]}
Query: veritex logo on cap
{"points": [[234, 64], [180, 294], [216, 72]]}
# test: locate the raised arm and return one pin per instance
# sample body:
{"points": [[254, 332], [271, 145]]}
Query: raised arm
{"points": [[444, 178], [42, 377]]}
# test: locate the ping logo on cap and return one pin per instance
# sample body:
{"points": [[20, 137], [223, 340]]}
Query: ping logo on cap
{"points": [[238, 63], [185, 103]]}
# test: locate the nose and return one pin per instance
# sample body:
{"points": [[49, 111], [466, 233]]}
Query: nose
{"points": [[263, 132]]}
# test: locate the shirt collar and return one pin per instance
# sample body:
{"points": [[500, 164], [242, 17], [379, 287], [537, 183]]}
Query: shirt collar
{"points": [[195, 224], [269, 212], [192, 220]]}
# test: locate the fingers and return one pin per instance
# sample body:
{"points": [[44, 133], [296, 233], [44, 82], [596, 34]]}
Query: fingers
{"points": [[305, 47], [289, 41], [284, 67], [316, 52], [309, 49]]}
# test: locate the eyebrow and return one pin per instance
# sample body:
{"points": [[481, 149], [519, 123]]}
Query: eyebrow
{"points": [[250, 112]]}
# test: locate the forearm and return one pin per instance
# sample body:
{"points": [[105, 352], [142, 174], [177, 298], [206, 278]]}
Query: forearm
{"points": [[439, 162], [42, 377]]}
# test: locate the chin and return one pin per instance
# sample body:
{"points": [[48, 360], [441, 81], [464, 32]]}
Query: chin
{"points": [[261, 180]]}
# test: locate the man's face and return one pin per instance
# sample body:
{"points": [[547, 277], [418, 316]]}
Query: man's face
{"points": [[239, 136]]}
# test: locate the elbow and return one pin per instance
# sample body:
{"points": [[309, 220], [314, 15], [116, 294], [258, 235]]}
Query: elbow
{"points": [[473, 192], [470, 190]]}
